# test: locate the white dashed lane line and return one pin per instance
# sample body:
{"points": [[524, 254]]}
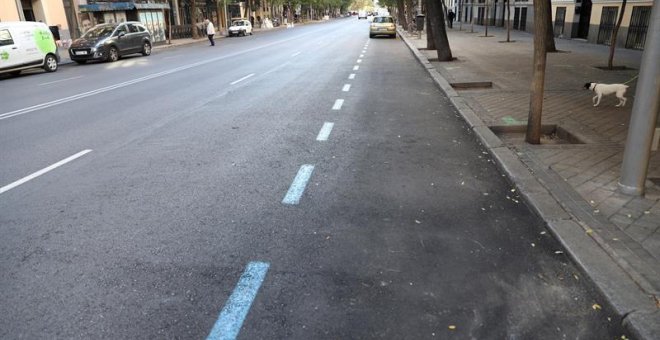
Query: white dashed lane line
{"points": [[346, 88], [240, 80], [338, 104], [356, 67], [298, 186], [325, 132], [295, 54], [59, 81], [43, 171], [359, 61], [351, 76]]}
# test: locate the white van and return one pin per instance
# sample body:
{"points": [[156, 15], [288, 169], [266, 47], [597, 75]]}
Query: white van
{"points": [[27, 44]]}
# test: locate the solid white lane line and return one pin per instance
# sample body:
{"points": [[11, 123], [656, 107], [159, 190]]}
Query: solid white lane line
{"points": [[356, 67], [58, 81], [351, 76], [338, 104], [359, 61], [43, 171], [240, 80], [325, 132], [346, 88], [295, 54]]}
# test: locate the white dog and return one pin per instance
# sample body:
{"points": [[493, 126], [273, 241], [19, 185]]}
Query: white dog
{"points": [[605, 89]]}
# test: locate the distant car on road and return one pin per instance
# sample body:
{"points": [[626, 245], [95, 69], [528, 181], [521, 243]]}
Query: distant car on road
{"points": [[382, 25], [109, 42], [240, 28], [362, 14]]}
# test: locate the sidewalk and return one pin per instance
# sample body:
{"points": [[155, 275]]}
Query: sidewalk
{"points": [[570, 180]]}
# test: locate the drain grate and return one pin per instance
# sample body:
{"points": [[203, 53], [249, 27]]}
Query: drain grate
{"points": [[472, 85]]}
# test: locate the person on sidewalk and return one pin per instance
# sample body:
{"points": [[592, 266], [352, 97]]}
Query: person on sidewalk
{"points": [[450, 18], [210, 31]]}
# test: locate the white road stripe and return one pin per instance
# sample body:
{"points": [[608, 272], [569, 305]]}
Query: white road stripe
{"points": [[361, 55], [351, 76], [356, 67], [240, 80], [61, 80], [338, 104], [297, 188], [295, 54], [141, 79], [359, 61], [325, 132], [346, 88], [43, 171]]}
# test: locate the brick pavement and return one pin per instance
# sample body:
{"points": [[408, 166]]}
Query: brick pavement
{"points": [[582, 172]]}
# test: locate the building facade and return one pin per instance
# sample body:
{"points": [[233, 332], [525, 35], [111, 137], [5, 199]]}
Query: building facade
{"points": [[591, 20]]}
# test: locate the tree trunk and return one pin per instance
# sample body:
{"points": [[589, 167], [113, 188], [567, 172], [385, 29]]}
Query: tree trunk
{"points": [[439, 32], [193, 19], [610, 60], [472, 16], [533, 135], [550, 34], [410, 15], [508, 21], [401, 13], [430, 40], [486, 19]]}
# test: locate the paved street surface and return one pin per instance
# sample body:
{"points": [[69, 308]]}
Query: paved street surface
{"points": [[203, 198]]}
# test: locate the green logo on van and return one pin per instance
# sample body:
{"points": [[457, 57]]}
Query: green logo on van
{"points": [[44, 40], [4, 55]]}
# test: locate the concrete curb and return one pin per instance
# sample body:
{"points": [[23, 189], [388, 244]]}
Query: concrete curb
{"points": [[637, 310]]}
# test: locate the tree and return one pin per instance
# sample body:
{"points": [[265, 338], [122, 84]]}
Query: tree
{"points": [[401, 13], [193, 19], [508, 20], [533, 135], [610, 60], [439, 32], [550, 34], [430, 39]]}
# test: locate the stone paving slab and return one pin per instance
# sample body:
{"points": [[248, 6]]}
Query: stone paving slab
{"points": [[582, 178]]}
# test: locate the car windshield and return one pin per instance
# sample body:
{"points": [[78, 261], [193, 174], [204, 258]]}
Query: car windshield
{"points": [[383, 20], [237, 23], [100, 31]]}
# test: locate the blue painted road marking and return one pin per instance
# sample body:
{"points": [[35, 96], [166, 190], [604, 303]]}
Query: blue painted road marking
{"points": [[231, 318], [325, 132], [298, 186]]}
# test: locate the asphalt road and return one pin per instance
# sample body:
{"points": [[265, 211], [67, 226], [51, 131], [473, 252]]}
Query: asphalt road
{"points": [[185, 173]]}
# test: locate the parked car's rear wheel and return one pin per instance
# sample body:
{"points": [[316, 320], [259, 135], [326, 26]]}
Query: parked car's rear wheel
{"points": [[250, 32], [50, 64], [81, 62], [243, 33], [146, 49], [113, 54]]}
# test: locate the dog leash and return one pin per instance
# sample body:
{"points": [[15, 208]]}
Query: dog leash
{"points": [[633, 78]]}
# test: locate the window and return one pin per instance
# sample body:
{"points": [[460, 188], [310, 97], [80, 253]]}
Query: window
{"points": [[132, 28], [5, 38], [122, 29]]}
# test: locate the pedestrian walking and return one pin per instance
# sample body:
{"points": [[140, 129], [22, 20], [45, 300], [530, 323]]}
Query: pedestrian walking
{"points": [[450, 18], [210, 31]]}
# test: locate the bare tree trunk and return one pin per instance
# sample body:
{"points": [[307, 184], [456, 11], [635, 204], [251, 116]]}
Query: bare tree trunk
{"points": [[401, 13], [486, 18], [508, 21], [610, 60], [439, 31], [550, 34], [472, 16], [533, 135], [410, 15], [193, 19], [430, 40]]}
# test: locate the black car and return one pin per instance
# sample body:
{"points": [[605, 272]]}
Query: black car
{"points": [[111, 41]]}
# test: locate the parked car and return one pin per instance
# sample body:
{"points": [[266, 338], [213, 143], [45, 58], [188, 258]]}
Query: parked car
{"points": [[109, 42], [382, 25], [240, 28], [362, 14], [25, 45]]}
